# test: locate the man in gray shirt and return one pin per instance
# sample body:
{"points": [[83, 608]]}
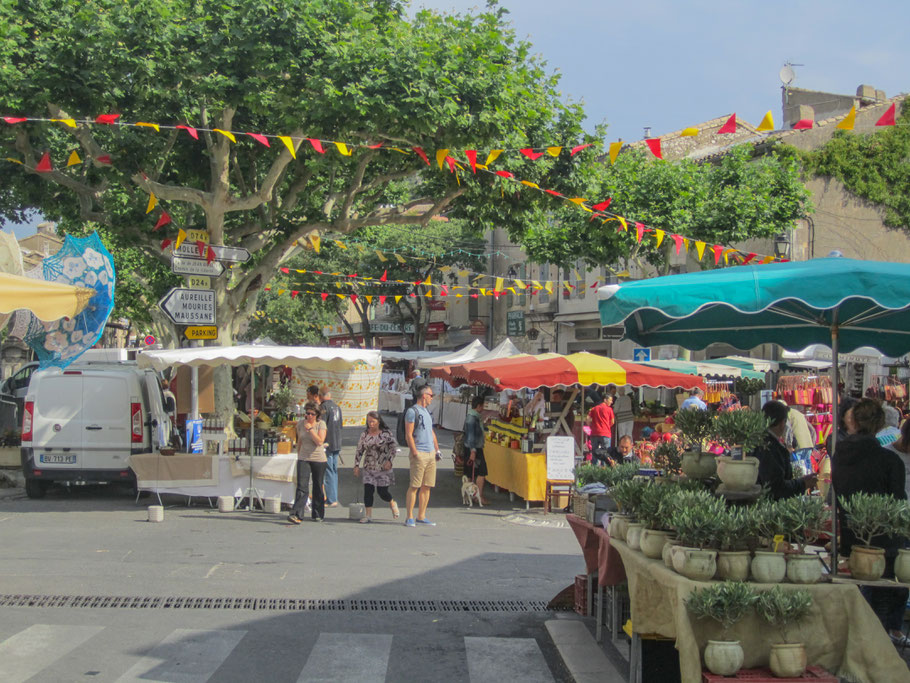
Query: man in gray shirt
{"points": [[331, 413], [424, 449]]}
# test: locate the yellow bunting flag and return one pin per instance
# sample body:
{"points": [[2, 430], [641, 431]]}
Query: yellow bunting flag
{"points": [[181, 235], [614, 151], [554, 151], [535, 283], [700, 247], [360, 248], [483, 292], [727, 253], [576, 274], [316, 241], [441, 155], [74, 160], [340, 244], [289, 144], [340, 296], [767, 259], [566, 284], [690, 132], [15, 161], [399, 257], [226, 133], [492, 156], [511, 289], [66, 122], [498, 284], [849, 120], [281, 291], [429, 295], [397, 298], [548, 286], [343, 148], [428, 281], [625, 226], [143, 124], [369, 298], [659, 236], [478, 279], [520, 284], [530, 184], [767, 123], [153, 200], [381, 256], [577, 200]]}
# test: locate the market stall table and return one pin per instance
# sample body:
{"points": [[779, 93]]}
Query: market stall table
{"points": [[841, 632], [523, 474]]}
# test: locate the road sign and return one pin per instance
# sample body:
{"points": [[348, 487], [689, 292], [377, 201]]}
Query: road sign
{"points": [[189, 306], [198, 282], [150, 340], [201, 332], [229, 254], [641, 355], [194, 266]]}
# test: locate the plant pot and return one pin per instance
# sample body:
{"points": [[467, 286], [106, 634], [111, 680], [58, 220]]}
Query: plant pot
{"points": [[695, 564], [804, 568], [652, 542], [619, 525], [788, 660], [737, 475], [902, 566], [633, 535], [723, 657], [667, 552], [867, 564], [698, 465], [733, 565], [768, 567]]}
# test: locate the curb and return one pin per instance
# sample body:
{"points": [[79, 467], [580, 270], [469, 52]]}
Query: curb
{"points": [[581, 654]]}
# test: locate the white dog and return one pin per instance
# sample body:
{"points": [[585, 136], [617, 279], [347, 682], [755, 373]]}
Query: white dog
{"points": [[470, 492]]}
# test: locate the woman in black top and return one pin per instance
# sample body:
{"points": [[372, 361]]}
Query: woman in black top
{"points": [[861, 464]]}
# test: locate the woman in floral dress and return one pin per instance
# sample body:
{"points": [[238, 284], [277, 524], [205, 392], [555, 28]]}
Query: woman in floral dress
{"points": [[377, 448]]}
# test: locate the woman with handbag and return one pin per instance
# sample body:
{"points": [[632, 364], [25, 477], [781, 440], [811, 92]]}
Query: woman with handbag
{"points": [[376, 448], [475, 465], [311, 432]]}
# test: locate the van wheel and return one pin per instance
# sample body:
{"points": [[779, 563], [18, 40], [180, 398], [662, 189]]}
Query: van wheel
{"points": [[35, 488]]}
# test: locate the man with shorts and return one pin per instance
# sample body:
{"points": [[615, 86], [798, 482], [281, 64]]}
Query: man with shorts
{"points": [[418, 429]]}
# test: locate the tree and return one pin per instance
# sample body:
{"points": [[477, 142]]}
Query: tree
{"points": [[354, 71], [742, 196]]}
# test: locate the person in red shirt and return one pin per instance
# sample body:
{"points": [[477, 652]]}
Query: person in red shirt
{"points": [[601, 420]]}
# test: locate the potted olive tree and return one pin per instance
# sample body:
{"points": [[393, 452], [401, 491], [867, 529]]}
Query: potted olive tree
{"points": [[782, 607], [769, 565], [869, 515], [741, 431], [627, 495], [654, 513], [733, 556], [802, 518], [697, 525], [725, 603], [696, 427], [901, 528]]}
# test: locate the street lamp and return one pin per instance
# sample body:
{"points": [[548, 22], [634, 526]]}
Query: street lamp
{"points": [[782, 245]]}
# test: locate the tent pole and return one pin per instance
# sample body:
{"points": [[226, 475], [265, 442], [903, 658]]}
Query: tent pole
{"points": [[835, 381], [252, 426]]}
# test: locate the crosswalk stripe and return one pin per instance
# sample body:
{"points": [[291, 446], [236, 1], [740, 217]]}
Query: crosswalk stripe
{"points": [[37, 647], [185, 656], [355, 657], [493, 660]]}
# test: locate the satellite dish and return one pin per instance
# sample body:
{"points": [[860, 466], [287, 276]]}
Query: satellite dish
{"points": [[787, 75]]}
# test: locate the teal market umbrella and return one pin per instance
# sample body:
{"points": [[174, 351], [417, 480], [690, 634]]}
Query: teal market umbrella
{"points": [[841, 302]]}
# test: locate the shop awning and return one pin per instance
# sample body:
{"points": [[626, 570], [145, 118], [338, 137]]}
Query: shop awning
{"points": [[292, 356], [757, 364], [704, 368]]}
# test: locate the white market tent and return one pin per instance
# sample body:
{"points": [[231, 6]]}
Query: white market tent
{"points": [[505, 349], [463, 355], [412, 355]]}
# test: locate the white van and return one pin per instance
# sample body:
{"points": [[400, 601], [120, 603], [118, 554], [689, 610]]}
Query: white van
{"points": [[81, 424]]}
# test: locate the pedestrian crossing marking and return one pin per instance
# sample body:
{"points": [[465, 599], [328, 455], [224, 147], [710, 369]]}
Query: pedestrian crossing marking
{"points": [[185, 656], [493, 660], [343, 657], [37, 647]]}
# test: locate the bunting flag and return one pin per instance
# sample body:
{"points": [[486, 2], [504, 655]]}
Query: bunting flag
{"points": [[689, 132], [677, 240], [340, 244], [423, 155], [615, 147], [381, 256], [849, 122], [209, 255], [74, 160], [803, 124], [659, 237], [164, 219], [181, 236], [639, 231], [700, 249], [728, 127], [531, 154], [556, 151], [575, 150], [441, 155], [315, 241], [767, 123], [190, 131], [343, 149], [887, 118], [654, 146], [315, 144], [289, 144], [226, 133], [44, 165], [153, 201], [718, 250], [471, 154], [261, 139], [107, 118], [492, 156]]}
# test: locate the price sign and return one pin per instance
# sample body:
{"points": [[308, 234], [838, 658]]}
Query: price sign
{"points": [[198, 282], [560, 458]]}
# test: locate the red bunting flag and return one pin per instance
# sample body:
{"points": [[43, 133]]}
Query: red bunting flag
{"points": [[553, 192], [44, 166], [531, 154], [594, 286], [678, 240], [376, 146], [654, 146], [190, 130], [423, 155], [200, 247], [443, 291], [718, 250], [729, 126], [474, 296], [382, 299], [107, 118], [603, 205], [749, 257], [471, 154], [104, 159], [14, 119], [317, 145], [412, 295], [317, 272], [887, 118], [385, 275], [504, 174], [163, 219], [802, 124], [294, 293], [578, 148], [164, 243], [353, 297], [451, 162], [286, 271], [324, 295], [639, 231], [260, 138], [209, 255]]}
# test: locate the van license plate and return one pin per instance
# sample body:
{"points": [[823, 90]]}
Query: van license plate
{"points": [[57, 459]]}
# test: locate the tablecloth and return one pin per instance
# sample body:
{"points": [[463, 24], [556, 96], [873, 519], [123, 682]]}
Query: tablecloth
{"points": [[841, 632], [281, 467], [181, 469], [599, 555], [524, 474]]}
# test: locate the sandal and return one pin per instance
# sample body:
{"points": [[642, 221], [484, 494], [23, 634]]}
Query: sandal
{"points": [[365, 520], [394, 507]]}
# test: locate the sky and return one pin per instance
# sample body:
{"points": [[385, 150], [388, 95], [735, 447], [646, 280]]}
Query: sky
{"points": [[669, 64]]}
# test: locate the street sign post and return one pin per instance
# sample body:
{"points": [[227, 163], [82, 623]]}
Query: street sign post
{"points": [[198, 282], [201, 332], [182, 265], [228, 254], [189, 306]]}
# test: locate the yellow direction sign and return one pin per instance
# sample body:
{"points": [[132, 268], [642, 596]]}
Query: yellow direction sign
{"points": [[201, 332]]}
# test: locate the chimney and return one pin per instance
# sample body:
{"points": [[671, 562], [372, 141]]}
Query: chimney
{"points": [[47, 228], [866, 93], [647, 131]]}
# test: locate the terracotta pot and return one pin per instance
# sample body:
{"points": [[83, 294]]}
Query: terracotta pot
{"points": [[733, 565], [695, 564], [902, 566], [652, 542], [788, 660], [737, 475], [804, 568], [867, 564], [633, 535], [768, 567], [698, 465], [724, 657], [667, 552]]}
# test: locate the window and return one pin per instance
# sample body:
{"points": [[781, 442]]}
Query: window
{"points": [[473, 304], [543, 296]]}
